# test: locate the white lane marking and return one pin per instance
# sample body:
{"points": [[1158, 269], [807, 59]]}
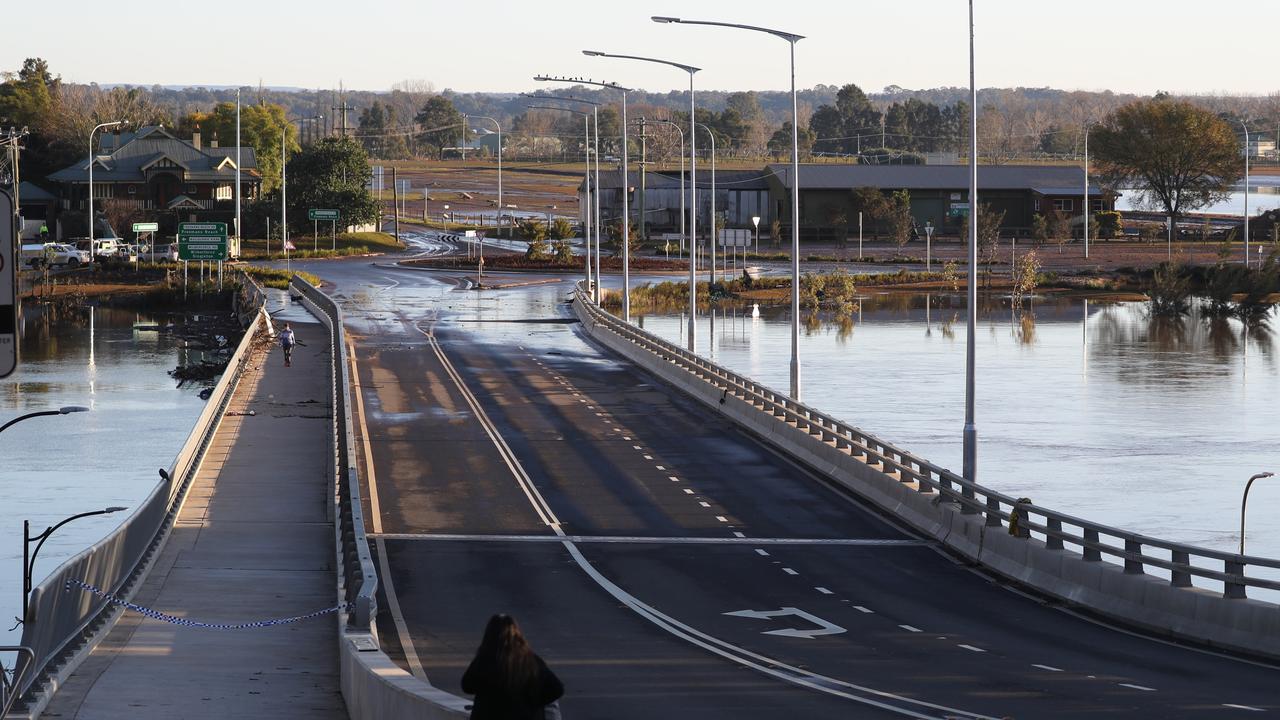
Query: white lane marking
{"points": [[909, 628], [721, 518], [626, 437], [1050, 668], [648, 457], [737, 539], [738, 534], [636, 447], [704, 504], [374, 508], [673, 478], [866, 610], [762, 552], [659, 467], [972, 648], [734, 653], [825, 627], [824, 591], [1243, 707], [1143, 688], [688, 491], [789, 571]]}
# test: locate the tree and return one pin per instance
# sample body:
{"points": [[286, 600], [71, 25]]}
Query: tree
{"points": [[989, 221], [332, 173], [898, 216], [1179, 156], [261, 128], [872, 204], [780, 143], [441, 124]]}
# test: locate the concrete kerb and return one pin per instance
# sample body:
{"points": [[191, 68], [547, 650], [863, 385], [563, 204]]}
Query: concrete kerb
{"points": [[1143, 601]]}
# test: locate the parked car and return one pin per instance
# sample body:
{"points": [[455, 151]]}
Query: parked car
{"points": [[54, 254], [103, 247]]}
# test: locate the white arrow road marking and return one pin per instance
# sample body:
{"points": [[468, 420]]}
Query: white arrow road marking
{"points": [[824, 627]]}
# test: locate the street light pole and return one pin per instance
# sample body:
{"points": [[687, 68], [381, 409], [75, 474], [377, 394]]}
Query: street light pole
{"points": [[1245, 499], [795, 184], [970, 468], [464, 142], [755, 220], [693, 174], [1086, 191], [586, 144], [682, 209], [1246, 198], [714, 229], [29, 555], [92, 159]]}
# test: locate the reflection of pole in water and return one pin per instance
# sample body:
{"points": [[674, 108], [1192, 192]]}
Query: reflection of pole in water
{"points": [[928, 323], [1084, 332]]}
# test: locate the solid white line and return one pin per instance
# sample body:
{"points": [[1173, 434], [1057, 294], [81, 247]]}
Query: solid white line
{"points": [[1050, 668], [972, 648], [1143, 688], [1243, 707], [397, 617], [372, 478], [909, 628], [824, 591], [738, 539], [789, 571], [861, 609]]}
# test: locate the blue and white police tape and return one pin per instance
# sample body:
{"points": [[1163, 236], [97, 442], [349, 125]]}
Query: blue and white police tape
{"points": [[165, 617]]}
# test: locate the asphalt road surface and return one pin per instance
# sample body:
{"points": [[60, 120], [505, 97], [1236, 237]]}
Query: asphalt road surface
{"points": [[666, 564]]}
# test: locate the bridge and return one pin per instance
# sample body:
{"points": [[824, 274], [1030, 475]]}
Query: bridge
{"points": [[676, 540]]}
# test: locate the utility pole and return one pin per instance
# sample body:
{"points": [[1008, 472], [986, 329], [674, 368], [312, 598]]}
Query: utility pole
{"points": [[644, 162], [343, 108], [395, 200]]}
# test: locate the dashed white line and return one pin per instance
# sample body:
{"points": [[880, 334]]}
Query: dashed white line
{"points": [[1050, 668], [971, 648], [909, 628], [866, 610], [659, 467], [635, 447], [824, 591], [648, 457], [624, 437], [738, 534], [1143, 688], [704, 504], [722, 518], [762, 552], [688, 491], [673, 478], [1243, 707], [789, 571]]}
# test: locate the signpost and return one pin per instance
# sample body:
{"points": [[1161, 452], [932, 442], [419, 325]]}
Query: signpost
{"points": [[8, 290], [146, 227], [202, 241], [318, 214], [150, 229]]}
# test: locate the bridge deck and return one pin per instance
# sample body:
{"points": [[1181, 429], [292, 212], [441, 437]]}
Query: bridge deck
{"points": [[253, 542]]}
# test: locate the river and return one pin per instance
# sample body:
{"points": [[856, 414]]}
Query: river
{"points": [[62, 465], [1093, 409]]}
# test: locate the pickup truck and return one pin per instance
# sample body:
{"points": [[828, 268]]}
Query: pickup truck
{"points": [[36, 255]]}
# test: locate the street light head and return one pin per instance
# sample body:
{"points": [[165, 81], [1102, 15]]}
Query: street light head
{"points": [[592, 53], [113, 509], [1261, 475], [755, 220], [664, 19], [72, 409]]}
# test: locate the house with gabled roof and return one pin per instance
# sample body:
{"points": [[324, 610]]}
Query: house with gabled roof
{"points": [[158, 172]]}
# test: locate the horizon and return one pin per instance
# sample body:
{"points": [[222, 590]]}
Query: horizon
{"points": [[1018, 45]]}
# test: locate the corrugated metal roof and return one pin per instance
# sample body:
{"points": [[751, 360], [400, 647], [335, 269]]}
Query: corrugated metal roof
{"points": [[935, 177], [151, 143], [725, 179]]}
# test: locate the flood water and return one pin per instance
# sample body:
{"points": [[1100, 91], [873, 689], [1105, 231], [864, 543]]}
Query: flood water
{"points": [[58, 466], [1093, 409]]}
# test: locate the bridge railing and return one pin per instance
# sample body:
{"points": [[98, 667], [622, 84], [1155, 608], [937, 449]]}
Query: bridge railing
{"points": [[359, 579], [1094, 542], [58, 622]]}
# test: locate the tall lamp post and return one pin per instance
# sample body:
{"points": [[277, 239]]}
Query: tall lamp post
{"points": [[693, 184], [970, 469], [679, 130], [1245, 500], [29, 555], [795, 187], [92, 159], [1246, 198], [495, 124], [755, 221], [586, 140], [626, 224], [715, 231]]}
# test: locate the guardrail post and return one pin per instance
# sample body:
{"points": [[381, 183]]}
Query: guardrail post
{"points": [[1234, 590], [1052, 541], [1181, 578], [1132, 565], [993, 512], [1091, 553]]}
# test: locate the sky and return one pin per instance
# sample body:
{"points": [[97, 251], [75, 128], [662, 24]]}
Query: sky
{"points": [[1138, 46]]}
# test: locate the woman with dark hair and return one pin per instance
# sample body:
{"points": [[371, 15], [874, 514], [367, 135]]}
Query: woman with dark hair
{"points": [[508, 678]]}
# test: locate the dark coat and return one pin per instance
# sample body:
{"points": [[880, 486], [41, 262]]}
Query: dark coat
{"points": [[494, 703]]}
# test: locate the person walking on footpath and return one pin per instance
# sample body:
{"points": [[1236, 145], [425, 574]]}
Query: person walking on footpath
{"points": [[508, 678], [287, 341]]}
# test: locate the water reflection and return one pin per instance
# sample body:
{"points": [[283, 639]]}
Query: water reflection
{"points": [[1095, 407]]}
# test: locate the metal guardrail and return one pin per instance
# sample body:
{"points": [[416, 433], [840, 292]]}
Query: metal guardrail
{"points": [[1057, 530], [58, 622], [9, 688], [359, 578]]}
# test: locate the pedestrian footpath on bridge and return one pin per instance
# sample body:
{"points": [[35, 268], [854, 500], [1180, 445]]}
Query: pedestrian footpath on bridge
{"points": [[253, 541]]}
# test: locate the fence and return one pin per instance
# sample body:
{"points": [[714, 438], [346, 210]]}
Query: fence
{"points": [[1104, 568], [60, 627], [358, 581]]}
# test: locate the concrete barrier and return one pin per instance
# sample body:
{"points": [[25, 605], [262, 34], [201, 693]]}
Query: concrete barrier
{"points": [[970, 520]]}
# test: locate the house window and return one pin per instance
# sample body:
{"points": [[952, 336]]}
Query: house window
{"points": [[1097, 205], [191, 189], [133, 190], [1063, 204], [1036, 205]]}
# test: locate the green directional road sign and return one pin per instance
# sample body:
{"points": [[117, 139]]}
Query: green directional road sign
{"points": [[146, 227], [317, 214], [202, 241]]}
